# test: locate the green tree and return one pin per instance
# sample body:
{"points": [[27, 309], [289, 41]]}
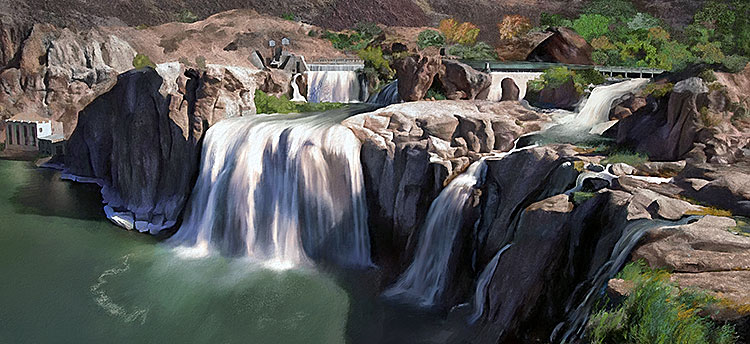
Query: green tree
{"points": [[591, 26]]}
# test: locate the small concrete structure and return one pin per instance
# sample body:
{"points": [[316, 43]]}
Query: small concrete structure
{"points": [[52, 145], [24, 130]]}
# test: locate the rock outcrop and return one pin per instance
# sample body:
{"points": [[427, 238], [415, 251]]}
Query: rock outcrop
{"points": [[415, 75], [59, 72], [511, 92], [411, 150], [563, 46], [565, 96], [141, 140], [460, 81]]}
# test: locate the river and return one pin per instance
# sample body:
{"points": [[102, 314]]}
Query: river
{"points": [[69, 276]]}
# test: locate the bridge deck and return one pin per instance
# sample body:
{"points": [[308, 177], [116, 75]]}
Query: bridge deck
{"points": [[524, 66]]}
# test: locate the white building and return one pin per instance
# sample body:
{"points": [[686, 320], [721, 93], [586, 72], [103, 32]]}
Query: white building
{"points": [[24, 130]]}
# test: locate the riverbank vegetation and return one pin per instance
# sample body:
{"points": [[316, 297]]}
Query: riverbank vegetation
{"points": [[266, 103], [657, 311]]}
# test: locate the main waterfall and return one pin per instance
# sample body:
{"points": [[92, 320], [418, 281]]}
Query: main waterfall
{"points": [[425, 279], [281, 189]]}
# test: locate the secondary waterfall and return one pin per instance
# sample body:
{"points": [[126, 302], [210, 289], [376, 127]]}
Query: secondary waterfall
{"points": [[388, 95], [280, 188], [480, 294], [425, 279], [520, 78], [585, 295], [296, 95], [596, 110], [333, 86]]}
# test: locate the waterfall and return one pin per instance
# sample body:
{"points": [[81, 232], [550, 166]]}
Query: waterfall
{"points": [[520, 78], [280, 189], [586, 293], [480, 294], [296, 95], [596, 111], [387, 96], [425, 279], [332, 86]]}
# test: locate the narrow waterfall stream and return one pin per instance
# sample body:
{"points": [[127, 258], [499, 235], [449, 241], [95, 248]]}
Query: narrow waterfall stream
{"points": [[424, 280], [281, 189], [333, 86], [480, 294]]}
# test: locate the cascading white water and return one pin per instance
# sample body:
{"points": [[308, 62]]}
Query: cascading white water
{"points": [[480, 294], [520, 78], [595, 112], [332, 86], [296, 95], [579, 308], [425, 279], [280, 189], [387, 96]]}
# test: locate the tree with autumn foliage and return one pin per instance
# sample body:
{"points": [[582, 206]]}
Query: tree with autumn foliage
{"points": [[513, 26], [455, 32]]}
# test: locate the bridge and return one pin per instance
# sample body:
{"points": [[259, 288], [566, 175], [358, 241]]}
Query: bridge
{"points": [[531, 67]]}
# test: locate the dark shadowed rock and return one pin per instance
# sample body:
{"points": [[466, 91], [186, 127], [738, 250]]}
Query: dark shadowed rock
{"points": [[564, 46], [511, 91], [141, 140], [565, 96]]}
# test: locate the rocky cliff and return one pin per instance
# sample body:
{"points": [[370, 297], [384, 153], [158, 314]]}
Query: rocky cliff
{"points": [[141, 140]]}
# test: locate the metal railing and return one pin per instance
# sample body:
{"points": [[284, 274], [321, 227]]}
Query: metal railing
{"points": [[523, 66]]}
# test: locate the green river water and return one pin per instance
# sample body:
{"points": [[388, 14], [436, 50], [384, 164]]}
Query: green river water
{"points": [[69, 276]]}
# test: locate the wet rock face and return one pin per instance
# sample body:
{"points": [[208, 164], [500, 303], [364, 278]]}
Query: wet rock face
{"points": [[564, 46], [410, 151], [59, 72], [141, 140], [511, 92]]}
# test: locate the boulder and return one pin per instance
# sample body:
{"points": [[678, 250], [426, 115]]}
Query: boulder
{"points": [[415, 75], [565, 96], [563, 46], [511, 92], [460, 81], [140, 140]]}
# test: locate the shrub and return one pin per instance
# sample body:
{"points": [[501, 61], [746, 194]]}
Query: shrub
{"points": [[735, 63], [368, 29], [479, 51], [580, 197], [142, 61], [621, 9], [708, 118], [141, 27], [434, 93], [348, 42], [373, 57], [658, 90], [186, 16], [289, 16], [558, 76], [313, 33], [552, 20], [200, 61], [657, 311], [513, 26], [265, 103], [643, 21], [430, 38], [460, 33], [707, 75]]}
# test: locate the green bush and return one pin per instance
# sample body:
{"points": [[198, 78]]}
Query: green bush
{"points": [[479, 51], [580, 197], [289, 16], [558, 76], [547, 20], [657, 312], [375, 61], [186, 16], [142, 61], [141, 27], [430, 38], [658, 90], [265, 103], [435, 93], [368, 29], [708, 76]]}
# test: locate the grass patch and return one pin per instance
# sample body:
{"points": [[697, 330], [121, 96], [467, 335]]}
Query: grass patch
{"points": [[657, 311], [580, 197], [742, 228], [704, 211], [632, 159], [265, 103]]}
